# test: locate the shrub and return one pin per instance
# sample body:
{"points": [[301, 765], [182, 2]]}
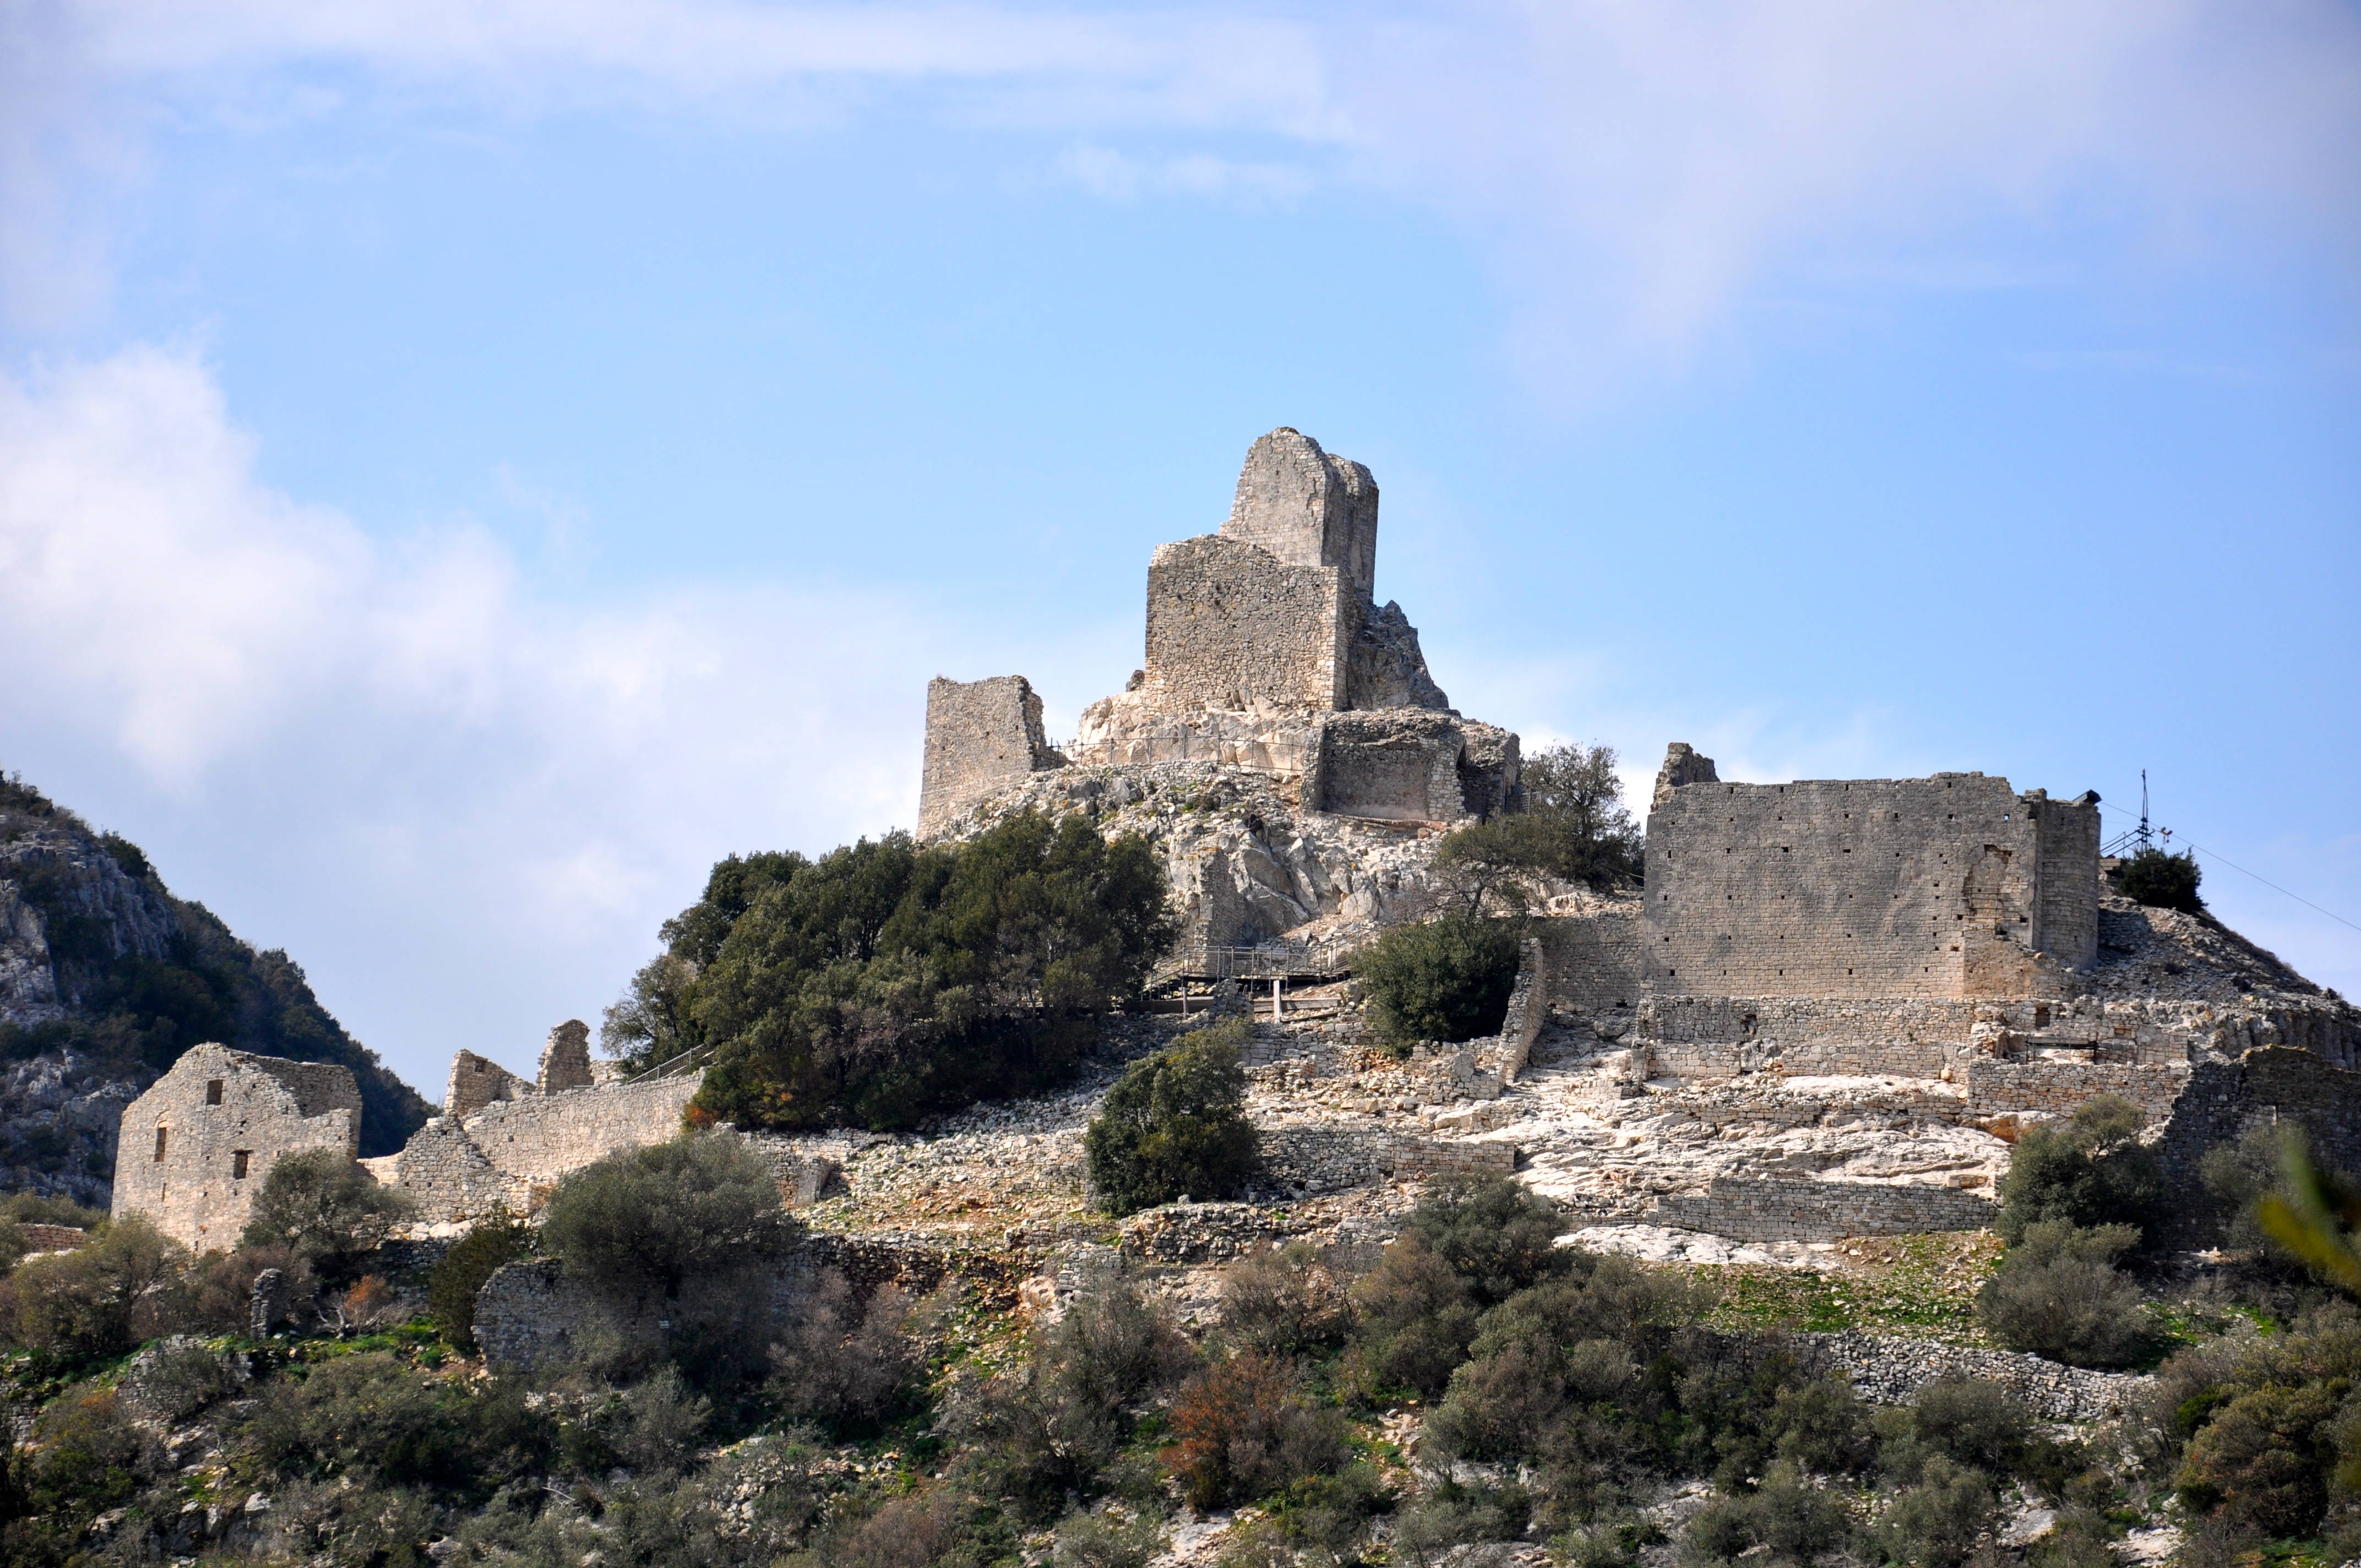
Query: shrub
{"points": [[2091, 1171], [1500, 1236], [2264, 1459], [1284, 1301], [885, 981], [88, 1456], [1089, 1540], [1175, 1125], [324, 1209], [1573, 826], [2057, 1294], [1413, 1320], [2162, 881], [1973, 1422], [1785, 1522], [649, 1218], [1934, 1524], [220, 1286], [1447, 978], [1242, 1432], [493, 1241], [1112, 1346], [105, 1297], [840, 1365]]}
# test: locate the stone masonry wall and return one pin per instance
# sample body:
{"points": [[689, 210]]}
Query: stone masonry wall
{"points": [[1854, 888], [981, 737], [1594, 960], [1231, 626], [1330, 1159], [2277, 1084], [1308, 508], [1528, 1009], [1400, 765], [2059, 1087], [1718, 1036], [478, 1082], [513, 1153], [1764, 1211], [1887, 1371], [196, 1146]]}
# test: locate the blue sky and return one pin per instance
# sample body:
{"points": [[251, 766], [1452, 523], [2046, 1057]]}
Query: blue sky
{"points": [[465, 467]]}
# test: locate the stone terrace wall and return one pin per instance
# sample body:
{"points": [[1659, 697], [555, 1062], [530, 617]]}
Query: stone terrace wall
{"points": [[1231, 626], [1854, 888], [1822, 1210], [1328, 1158], [981, 737], [191, 1157], [1400, 765], [1720, 1037], [2059, 1087], [1895, 1371]]}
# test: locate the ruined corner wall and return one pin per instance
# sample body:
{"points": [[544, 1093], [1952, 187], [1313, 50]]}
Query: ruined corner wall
{"points": [[981, 735], [196, 1149], [1308, 508], [2279, 1085], [1411, 765], [513, 1153], [1866, 888], [477, 1081], [1231, 626]]}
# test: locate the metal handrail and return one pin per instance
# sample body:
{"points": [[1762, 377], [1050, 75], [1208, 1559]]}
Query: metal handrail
{"points": [[663, 1068]]}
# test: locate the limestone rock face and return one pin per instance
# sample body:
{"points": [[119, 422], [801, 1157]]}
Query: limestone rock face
{"points": [[1385, 667]]}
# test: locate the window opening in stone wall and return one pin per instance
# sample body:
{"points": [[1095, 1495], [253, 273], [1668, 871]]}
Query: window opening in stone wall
{"points": [[237, 1161], [2041, 1017], [213, 1090], [159, 1143]]}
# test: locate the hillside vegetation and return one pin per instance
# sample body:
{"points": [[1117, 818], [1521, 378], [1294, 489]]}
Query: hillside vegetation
{"points": [[885, 981]]}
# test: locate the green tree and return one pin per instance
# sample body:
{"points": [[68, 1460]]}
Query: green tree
{"points": [[2094, 1170], [1573, 827], [2162, 881], [1175, 1125], [324, 1209], [703, 1204], [885, 981], [1445, 979], [1499, 1236], [498, 1239], [103, 1296], [2057, 1294]]}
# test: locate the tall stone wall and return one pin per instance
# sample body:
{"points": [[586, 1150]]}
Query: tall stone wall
{"points": [[513, 1153], [196, 1149], [2278, 1085], [1308, 508], [1594, 960], [981, 736], [1231, 626], [1861, 888]]}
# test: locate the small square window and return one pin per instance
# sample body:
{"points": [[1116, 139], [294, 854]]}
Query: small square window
{"points": [[213, 1090], [237, 1162]]}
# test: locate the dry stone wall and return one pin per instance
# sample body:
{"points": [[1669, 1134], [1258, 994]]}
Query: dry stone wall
{"points": [[1863, 888], [1886, 1371], [196, 1147], [2057, 1088], [1231, 626], [478, 1082], [1772, 1210]]}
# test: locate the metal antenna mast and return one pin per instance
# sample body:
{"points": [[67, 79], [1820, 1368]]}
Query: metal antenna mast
{"points": [[2138, 837]]}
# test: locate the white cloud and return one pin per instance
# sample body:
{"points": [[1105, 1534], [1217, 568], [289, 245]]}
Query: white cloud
{"points": [[1630, 170], [524, 787]]}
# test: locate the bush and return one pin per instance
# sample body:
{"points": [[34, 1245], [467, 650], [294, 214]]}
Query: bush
{"points": [[2091, 1171], [1786, 1521], [1284, 1301], [220, 1287], [1936, 1523], [498, 1239], [369, 1415], [1175, 1125], [1573, 826], [1243, 1432], [1973, 1422], [840, 1365], [1413, 1321], [324, 1209], [2162, 881], [2270, 1423], [649, 1218], [2057, 1294], [1087, 1540], [1499, 1236], [885, 981], [1447, 979], [105, 1297]]}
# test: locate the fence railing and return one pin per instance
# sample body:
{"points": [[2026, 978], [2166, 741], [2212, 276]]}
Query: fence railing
{"points": [[1264, 960]]}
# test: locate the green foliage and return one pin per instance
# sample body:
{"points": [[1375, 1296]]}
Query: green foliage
{"points": [[885, 981], [1242, 1431], [369, 1415], [326, 1210], [649, 1218], [1497, 1235], [841, 1364], [2091, 1171], [2316, 1215], [1175, 1125], [1573, 826], [1447, 978], [2162, 881], [103, 1298], [1414, 1318], [494, 1241], [1786, 1521], [2058, 1295], [2272, 1424], [87, 1457], [1936, 1523], [129, 1012], [1284, 1301]]}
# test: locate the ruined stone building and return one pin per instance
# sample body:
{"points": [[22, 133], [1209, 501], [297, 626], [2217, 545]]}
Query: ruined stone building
{"points": [[196, 1146]]}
